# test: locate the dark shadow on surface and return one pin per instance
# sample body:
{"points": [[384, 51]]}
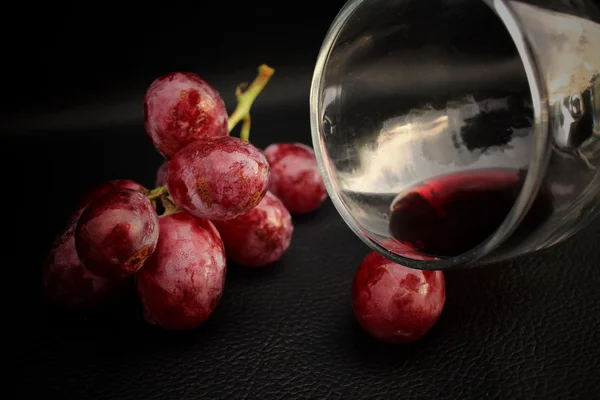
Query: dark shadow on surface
{"points": [[367, 350], [309, 217], [121, 330], [239, 273]]}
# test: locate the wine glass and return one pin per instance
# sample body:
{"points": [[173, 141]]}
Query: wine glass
{"points": [[454, 133]]}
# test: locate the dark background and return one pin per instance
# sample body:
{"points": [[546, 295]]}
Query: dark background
{"points": [[73, 85]]}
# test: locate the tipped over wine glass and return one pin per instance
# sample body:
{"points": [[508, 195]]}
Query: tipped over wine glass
{"points": [[454, 134]]}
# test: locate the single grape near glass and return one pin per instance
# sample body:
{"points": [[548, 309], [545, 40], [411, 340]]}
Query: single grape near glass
{"points": [[396, 304]]}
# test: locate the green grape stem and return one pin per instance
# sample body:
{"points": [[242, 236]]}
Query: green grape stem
{"points": [[245, 99], [156, 193]]}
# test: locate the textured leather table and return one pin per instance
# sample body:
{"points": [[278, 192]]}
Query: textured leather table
{"points": [[524, 329]]}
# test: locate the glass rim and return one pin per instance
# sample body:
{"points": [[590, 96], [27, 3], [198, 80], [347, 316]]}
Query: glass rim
{"points": [[537, 164]]}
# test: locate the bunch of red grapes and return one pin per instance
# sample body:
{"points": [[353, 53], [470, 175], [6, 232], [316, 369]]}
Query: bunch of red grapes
{"points": [[217, 197]]}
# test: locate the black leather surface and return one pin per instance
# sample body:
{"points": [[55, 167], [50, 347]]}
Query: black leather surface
{"points": [[525, 329]]}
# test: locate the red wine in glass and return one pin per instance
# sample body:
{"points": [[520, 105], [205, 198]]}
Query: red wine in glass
{"points": [[450, 215]]}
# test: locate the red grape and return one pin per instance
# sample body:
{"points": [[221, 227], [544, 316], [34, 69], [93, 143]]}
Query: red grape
{"points": [[218, 178], [260, 236], [161, 174], [116, 233], [179, 108], [182, 282], [394, 303], [295, 177], [69, 283]]}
